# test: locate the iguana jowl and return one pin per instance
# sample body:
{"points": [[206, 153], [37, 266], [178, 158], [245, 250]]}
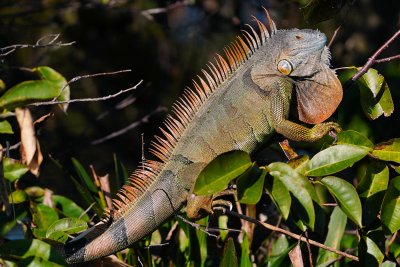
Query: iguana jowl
{"points": [[237, 105]]}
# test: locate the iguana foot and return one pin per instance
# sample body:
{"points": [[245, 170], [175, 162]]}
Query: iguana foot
{"points": [[201, 206]]}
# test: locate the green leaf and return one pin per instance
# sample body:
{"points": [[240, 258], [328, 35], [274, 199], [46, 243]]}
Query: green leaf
{"points": [[2, 85], [21, 249], [335, 158], [229, 257], [120, 172], [375, 95], [223, 226], [43, 216], [372, 187], [388, 264], [346, 196], [28, 92], [369, 252], [390, 213], [245, 257], [59, 230], [280, 195], [50, 74], [48, 88], [300, 164], [388, 151], [5, 128], [9, 222], [69, 208], [353, 138], [202, 239], [37, 262], [84, 176], [299, 186], [13, 170], [17, 196], [336, 227], [250, 185], [220, 171]]}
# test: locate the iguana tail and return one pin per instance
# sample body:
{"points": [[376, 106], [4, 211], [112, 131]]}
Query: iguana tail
{"points": [[136, 220]]}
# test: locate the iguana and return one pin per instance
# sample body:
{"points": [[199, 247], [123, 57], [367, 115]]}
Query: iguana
{"points": [[238, 104]]}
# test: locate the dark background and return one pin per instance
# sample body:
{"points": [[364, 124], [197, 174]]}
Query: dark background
{"points": [[165, 49]]}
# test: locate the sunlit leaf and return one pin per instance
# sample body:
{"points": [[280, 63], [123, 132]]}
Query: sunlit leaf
{"points": [[44, 216], [346, 196], [245, 257], [69, 208], [336, 227], [375, 95], [85, 178], [388, 151], [300, 164], [250, 185], [372, 187], [27, 92], [223, 226], [280, 195], [390, 213], [299, 186], [17, 196], [353, 138], [335, 158], [59, 230], [219, 172], [229, 257], [13, 169], [369, 252], [5, 128]]}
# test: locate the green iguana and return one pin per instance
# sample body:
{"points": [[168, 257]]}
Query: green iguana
{"points": [[239, 103]]}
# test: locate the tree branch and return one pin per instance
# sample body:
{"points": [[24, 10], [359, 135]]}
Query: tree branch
{"points": [[5, 51], [87, 99], [288, 233], [372, 60]]}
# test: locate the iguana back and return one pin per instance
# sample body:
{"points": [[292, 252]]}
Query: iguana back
{"points": [[237, 105]]}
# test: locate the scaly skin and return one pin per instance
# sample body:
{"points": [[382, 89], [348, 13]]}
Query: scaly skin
{"points": [[241, 114]]}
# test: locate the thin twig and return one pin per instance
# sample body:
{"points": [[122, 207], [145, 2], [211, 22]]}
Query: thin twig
{"points": [[129, 127], [334, 36], [288, 233], [309, 250], [372, 60], [77, 78], [198, 226], [15, 146], [87, 99], [387, 59], [5, 51]]}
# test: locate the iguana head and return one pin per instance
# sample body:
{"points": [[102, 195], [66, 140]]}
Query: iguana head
{"points": [[301, 57]]}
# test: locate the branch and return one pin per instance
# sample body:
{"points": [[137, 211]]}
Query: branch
{"points": [[372, 60], [5, 51], [288, 233], [334, 36], [126, 129], [87, 99]]}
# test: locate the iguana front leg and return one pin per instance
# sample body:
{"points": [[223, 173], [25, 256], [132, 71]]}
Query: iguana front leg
{"points": [[292, 130]]}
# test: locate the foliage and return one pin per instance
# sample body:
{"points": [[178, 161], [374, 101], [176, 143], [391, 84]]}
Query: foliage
{"points": [[356, 174]]}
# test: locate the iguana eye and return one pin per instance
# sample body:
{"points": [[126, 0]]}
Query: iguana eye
{"points": [[284, 67]]}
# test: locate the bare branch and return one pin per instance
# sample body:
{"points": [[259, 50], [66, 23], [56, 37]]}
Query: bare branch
{"points": [[129, 127], [288, 233], [334, 36], [95, 99], [372, 60], [387, 59], [5, 51]]}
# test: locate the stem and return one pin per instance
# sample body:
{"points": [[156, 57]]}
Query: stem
{"points": [[288, 233]]}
